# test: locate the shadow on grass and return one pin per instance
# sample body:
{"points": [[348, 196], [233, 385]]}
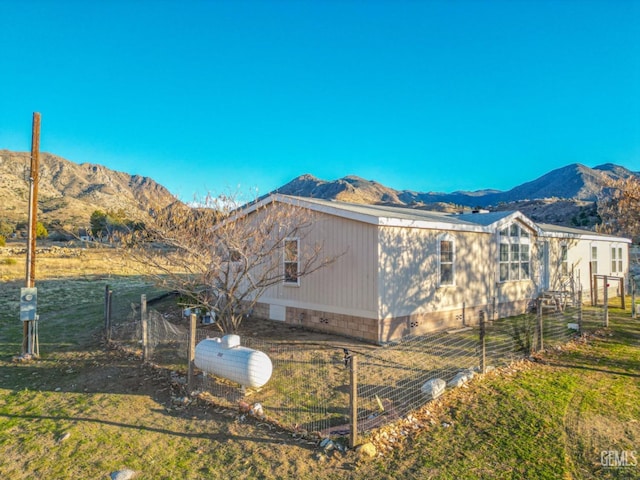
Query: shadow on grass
{"points": [[631, 366], [222, 437]]}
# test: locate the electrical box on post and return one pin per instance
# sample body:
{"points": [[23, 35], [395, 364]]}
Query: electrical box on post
{"points": [[28, 304]]}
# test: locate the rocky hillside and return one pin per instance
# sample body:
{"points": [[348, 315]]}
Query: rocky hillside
{"points": [[563, 196], [68, 192]]}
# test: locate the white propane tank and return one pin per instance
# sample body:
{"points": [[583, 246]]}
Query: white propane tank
{"points": [[225, 358]]}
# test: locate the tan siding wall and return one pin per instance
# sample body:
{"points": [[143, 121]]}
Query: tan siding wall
{"points": [[384, 283], [349, 282]]}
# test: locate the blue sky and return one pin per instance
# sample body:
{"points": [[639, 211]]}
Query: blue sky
{"points": [[421, 95]]}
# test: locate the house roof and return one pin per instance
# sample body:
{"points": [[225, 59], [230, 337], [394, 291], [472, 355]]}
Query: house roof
{"points": [[559, 231], [384, 215]]}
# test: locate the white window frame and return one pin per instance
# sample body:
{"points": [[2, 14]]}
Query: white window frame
{"points": [[617, 263], [450, 239], [285, 262], [514, 253], [563, 258], [620, 261], [594, 259]]}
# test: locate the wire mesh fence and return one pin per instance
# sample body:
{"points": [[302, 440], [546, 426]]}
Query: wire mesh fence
{"points": [[309, 389]]}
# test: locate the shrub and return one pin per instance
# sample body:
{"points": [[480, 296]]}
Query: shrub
{"points": [[3, 241], [8, 261], [41, 231]]}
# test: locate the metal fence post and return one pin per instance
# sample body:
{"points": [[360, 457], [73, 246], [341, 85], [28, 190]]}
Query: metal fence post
{"points": [[540, 326], [634, 307], [606, 301], [483, 346], [109, 305], [191, 354], [106, 309], [353, 402], [580, 311], [144, 319]]}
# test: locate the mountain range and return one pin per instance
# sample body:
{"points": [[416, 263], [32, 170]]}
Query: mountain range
{"points": [[69, 193], [565, 196]]}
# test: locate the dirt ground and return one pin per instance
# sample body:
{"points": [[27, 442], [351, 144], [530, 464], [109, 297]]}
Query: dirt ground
{"points": [[154, 399]]}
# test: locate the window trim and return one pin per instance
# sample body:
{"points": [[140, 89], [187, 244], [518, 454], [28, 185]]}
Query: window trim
{"points": [[285, 278], [617, 263], [450, 239], [620, 261], [563, 259], [511, 258]]}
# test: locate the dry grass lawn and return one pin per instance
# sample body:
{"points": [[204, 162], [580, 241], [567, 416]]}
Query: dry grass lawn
{"points": [[83, 410]]}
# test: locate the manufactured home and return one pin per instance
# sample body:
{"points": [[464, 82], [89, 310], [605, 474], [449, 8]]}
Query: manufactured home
{"points": [[402, 271]]}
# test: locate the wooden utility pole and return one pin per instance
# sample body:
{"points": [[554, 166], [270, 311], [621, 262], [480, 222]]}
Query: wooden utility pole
{"points": [[33, 199], [28, 326]]}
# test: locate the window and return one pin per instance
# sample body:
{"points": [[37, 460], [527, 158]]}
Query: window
{"points": [[564, 260], [291, 261], [445, 264], [616, 260], [594, 259], [514, 254], [619, 260]]}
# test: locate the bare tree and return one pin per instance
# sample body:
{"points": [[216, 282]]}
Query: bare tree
{"points": [[222, 257], [619, 208]]}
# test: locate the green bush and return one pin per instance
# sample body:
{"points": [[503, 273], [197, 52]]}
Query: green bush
{"points": [[3, 241], [8, 261], [41, 231]]}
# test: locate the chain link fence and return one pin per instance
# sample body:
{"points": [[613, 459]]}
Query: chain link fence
{"points": [[311, 383]]}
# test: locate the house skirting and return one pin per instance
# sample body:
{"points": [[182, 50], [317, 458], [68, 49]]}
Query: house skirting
{"points": [[392, 329], [340, 324]]}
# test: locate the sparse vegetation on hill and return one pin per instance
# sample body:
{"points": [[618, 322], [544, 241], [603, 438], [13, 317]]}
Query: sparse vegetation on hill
{"points": [[566, 196], [69, 193]]}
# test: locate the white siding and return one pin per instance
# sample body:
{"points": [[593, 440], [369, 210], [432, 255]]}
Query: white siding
{"points": [[408, 272], [579, 257]]}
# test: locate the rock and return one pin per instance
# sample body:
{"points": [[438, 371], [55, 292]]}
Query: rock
{"points": [[367, 450], [181, 401], [433, 388], [64, 437], [125, 474], [327, 445], [257, 410], [460, 378]]}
